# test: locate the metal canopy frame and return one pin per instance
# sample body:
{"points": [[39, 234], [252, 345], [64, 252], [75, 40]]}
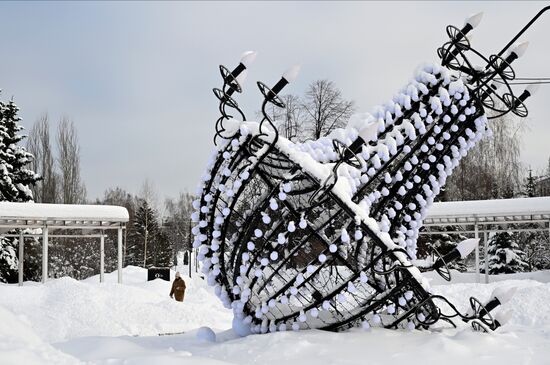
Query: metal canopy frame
{"points": [[482, 222], [62, 223]]}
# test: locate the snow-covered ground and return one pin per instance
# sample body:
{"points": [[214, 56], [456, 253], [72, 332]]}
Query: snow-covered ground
{"points": [[73, 322]]}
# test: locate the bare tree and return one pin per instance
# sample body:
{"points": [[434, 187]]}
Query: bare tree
{"points": [[148, 192], [178, 221], [289, 120], [72, 189], [38, 143], [492, 169], [147, 215], [119, 196], [325, 108], [146, 226], [536, 248]]}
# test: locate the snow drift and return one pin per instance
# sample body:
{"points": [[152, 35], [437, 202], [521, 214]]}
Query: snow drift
{"points": [[66, 321]]}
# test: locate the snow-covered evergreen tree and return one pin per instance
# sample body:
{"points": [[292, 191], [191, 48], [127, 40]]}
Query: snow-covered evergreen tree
{"points": [[536, 247], [15, 179], [505, 256], [530, 185], [146, 227], [8, 261], [78, 258], [160, 251], [152, 246]]}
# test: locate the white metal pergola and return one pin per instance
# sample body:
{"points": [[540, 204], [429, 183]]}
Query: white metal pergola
{"points": [[59, 217], [479, 215]]}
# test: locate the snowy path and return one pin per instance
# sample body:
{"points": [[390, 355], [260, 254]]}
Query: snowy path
{"points": [[72, 322]]}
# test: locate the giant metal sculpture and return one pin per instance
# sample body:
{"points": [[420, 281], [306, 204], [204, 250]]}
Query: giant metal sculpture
{"points": [[322, 234]]}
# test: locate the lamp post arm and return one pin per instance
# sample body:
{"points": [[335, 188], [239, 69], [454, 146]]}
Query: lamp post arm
{"points": [[527, 26]]}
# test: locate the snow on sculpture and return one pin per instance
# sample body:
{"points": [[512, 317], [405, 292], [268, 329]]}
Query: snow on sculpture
{"points": [[322, 234]]}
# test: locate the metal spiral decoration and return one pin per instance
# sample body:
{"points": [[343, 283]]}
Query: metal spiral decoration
{"points": [[323, 234]]}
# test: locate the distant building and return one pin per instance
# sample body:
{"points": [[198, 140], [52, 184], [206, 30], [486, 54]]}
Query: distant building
{"points": [[542, 185]]}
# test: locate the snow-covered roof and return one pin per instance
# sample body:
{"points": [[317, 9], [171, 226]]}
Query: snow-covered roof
{"points": [[487, 211], [15, 215]]}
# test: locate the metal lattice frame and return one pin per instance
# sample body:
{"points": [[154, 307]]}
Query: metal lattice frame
{"points": [[50, 218], [272, 232]]}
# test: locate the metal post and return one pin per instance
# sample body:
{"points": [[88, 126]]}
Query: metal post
{"points": [[189, 235], [21, 257], [476, 230], [188, 253], [45, 254], [101, 257], [119, 266], [486, 250]]}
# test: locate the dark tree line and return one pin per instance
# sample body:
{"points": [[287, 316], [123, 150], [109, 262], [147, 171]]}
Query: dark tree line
{"points": [[153, 238]]}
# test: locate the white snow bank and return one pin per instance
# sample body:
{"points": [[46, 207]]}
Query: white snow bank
{"points": [[66, 308], [117, 324], [20, 345], [63, 212]]}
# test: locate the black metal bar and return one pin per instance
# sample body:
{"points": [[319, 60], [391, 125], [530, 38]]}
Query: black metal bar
{"points": [[520, 33]]}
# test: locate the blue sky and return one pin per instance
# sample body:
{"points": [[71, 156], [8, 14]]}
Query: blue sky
{"points": [[136, 77]]}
